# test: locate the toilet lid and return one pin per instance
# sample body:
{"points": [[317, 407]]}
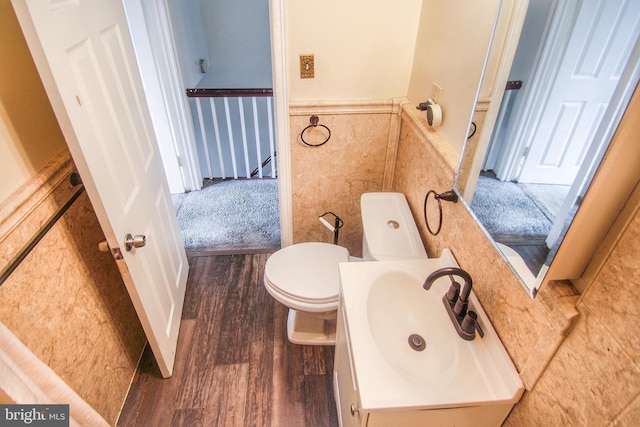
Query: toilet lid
{"points": [[307, 271]]}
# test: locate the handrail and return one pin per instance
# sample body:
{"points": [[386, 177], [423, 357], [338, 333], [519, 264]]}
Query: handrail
{"points": [[265, 162], [15, 262], [221, 93], [224, 115]]}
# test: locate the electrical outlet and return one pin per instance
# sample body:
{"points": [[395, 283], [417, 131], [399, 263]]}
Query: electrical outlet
{"points": [[306, 66], [436, 91]]}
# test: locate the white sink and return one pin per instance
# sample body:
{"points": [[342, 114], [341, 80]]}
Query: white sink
{"points": [[384, 303], [398, 308]]}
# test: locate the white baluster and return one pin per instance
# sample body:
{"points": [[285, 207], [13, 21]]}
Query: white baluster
{"points": [[257, 131], [244, 137], [230, 132], [204, 137], [216, 129], [271, 141]]}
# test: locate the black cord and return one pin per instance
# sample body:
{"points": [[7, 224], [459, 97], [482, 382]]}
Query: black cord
{"points": [[473, 132]]}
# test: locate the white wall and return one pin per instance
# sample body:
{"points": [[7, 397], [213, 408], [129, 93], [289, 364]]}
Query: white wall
{"points": [[29, 133], [526, 55], [362, 49], [451, 47], [189, 39], [239, 43], [530, 39], [379, 49]]}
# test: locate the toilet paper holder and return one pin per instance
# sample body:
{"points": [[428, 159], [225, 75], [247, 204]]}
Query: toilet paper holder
{"points": [[337, 224], [434, 112]]}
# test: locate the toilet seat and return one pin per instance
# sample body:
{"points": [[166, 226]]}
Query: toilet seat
{"points": [[305, 276]]}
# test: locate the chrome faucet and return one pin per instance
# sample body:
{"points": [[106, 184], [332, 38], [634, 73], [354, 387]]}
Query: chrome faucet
{"points": [[456, 301]]}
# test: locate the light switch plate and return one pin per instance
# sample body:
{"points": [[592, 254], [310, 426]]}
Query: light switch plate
{"points": [[306, 67], [436, 91]]}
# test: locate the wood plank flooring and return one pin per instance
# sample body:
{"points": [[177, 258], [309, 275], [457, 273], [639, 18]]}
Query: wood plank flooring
{"points": [[533, 254], [234, 365]]}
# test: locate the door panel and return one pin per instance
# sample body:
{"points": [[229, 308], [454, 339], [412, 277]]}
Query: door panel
{"points": [[597, 51], [85, 57]]}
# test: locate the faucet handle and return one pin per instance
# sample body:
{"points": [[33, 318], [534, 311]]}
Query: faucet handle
{"points": [[454, 292], [470, 324], [460, 308]]}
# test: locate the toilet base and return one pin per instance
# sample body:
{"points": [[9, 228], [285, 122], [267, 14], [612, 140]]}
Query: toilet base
{"points": [[311, 328]]}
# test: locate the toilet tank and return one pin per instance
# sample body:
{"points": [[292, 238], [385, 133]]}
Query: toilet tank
{"points": [[389, 231]]}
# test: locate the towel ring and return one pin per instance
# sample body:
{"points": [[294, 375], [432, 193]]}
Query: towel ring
{"points": [[449, 196], [314, 123]]}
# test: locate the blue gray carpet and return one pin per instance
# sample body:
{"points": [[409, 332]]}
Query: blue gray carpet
{"points": [[507, 212], [234, 215], [549, 198]]}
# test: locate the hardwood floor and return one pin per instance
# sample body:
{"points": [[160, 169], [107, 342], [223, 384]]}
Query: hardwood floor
{"points": [[534, 255], [234, 365]]}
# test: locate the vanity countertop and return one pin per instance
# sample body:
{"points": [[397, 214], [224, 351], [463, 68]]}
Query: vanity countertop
{"points": [[383, 303]]}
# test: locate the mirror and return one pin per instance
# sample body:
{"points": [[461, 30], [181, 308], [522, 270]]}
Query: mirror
{"points": [[533, 148]]}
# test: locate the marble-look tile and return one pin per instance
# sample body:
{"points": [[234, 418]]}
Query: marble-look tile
{"points": [[332, 177], [5, 399], [590, 380], [422, 166], [629, 416], [538, 408], [27, 210], [567, 378], [613, 296], [531, 330], [66, 301]]}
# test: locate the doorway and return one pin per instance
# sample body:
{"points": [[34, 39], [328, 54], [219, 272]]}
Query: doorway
{"points": [[199, 51]]}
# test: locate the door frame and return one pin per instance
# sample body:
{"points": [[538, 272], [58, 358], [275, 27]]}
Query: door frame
{"points": [[176, 105], [277, 15], [170, 75]]}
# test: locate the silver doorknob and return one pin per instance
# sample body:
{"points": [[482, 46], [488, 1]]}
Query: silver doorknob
{"points": [[137, 241]]}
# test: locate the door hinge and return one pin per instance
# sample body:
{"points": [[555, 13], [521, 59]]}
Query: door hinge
{"points": [[116, 252]]}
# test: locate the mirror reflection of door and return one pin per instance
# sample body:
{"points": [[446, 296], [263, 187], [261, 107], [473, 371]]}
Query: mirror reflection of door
{"points": [[582, 74], [587, 76]]}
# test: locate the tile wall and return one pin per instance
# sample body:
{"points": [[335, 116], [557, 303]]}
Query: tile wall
{"points": [[66, 301], [332, 177], [577, 360]]}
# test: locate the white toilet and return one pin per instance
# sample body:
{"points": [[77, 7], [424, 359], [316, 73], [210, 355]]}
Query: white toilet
{"points": [[305, 276]]}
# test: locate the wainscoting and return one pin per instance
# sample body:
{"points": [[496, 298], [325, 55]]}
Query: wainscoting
{"points": [[69, 333], [234, 364]]}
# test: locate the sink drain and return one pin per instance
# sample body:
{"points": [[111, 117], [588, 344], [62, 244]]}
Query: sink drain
{"points": [[416, 342]]}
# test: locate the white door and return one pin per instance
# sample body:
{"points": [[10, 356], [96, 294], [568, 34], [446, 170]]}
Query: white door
{"points": [[85, 57], [598, 49]]}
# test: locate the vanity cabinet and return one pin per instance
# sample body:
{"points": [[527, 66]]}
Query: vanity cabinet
{"points": [[453, 382], [344, 382], [350, 413]]}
